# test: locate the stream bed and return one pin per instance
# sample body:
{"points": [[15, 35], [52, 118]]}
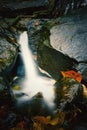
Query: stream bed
{"points": [[42, 81]]}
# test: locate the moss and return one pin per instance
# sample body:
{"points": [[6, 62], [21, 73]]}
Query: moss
{"points": [[2, 65], [44, 37]]}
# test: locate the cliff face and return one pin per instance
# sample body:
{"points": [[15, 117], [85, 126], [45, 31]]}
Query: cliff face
{"points": [[40, 8]]}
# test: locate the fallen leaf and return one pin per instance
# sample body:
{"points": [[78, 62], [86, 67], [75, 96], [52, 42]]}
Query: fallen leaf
{"points": [[84, 91], [36, 23], [54, 121], [41, 119], [59, 119], [37, 126], [11, 38], [72, 74], [16, 87]]}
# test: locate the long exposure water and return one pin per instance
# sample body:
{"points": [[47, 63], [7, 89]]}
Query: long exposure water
{"points": [[33, 83], [29, 65]]}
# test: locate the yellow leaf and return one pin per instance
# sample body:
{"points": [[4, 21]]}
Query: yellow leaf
{"points": [[48, 118], [11, 38], [84, 91], [37, 126], [54, 121], [16, 87]]}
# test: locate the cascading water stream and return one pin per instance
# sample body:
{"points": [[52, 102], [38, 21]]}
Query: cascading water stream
{"points": [[33, 83], [30, 69]]}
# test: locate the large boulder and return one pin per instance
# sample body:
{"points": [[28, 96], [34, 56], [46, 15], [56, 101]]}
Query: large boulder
{"points": [[70, 38]]}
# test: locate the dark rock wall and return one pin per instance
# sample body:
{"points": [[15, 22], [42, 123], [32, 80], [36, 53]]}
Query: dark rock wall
{"points": [[20, 7]]}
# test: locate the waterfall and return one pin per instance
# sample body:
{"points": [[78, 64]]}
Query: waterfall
{"points": [[33, 82], [30, 67]]}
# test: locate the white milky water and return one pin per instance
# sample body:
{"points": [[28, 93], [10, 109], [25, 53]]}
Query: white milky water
{"points": [[30, 69], [33, 82]]}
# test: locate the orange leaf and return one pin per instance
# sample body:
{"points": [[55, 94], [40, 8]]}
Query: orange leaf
{"points": [[72, 74]]}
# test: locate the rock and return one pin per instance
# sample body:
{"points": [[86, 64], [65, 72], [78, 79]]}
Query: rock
{"points": [[68, 93], [34, 33], [7, 54], [2, 84], [54, 61], [81, 127], [18, 68], [66, 34], [70, 38], [14, 8], [4, 92], [48, 58], [8, 45]]}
